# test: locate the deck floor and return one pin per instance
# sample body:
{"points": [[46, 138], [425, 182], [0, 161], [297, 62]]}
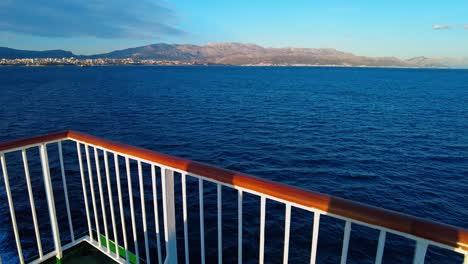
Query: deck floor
{"points": [[83, 253]]}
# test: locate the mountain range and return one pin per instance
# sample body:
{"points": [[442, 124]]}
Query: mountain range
{"points": [[7, 53], [246, 54]]}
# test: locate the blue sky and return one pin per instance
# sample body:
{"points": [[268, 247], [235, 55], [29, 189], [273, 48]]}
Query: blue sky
{"points": [[373, 28]]}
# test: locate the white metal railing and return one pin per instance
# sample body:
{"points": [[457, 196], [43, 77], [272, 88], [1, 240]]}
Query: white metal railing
{"points": [[117, 248]]}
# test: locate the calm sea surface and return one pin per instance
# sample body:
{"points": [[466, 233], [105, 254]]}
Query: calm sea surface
{"points": [[394, 138]]}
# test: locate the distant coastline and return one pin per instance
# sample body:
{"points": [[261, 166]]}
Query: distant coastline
{"points": [[88, 62], [238, 54], [48, 62]]}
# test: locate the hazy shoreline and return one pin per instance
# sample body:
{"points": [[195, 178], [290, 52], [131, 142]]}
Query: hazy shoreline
{"points": [[230, 53], [230, 65]]}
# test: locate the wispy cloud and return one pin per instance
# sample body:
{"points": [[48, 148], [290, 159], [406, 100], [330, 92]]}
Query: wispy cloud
{"points": [[465, 26], [440, 27], [95, 18]]}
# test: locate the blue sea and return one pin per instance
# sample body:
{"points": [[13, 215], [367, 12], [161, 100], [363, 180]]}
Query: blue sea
{"points": [[393, 138]]}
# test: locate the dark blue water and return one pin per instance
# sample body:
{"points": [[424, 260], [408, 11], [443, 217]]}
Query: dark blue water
{"points": [[395, 138]]}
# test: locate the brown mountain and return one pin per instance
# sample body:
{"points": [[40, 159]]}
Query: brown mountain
{"points": [[248, 54], [251, 54], [426, 62]]}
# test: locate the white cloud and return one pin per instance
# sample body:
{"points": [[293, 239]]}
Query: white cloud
{"points": [[465, 26], [440, 27]]}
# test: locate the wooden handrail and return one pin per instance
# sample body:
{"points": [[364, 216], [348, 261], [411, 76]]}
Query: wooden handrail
{"points": [[33, 140], [442, 233]]}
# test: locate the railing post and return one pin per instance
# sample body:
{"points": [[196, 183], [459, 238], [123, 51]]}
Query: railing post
{"points": [[156, 212], [121, 208], [12, 208], [261, 253], [143, 211], [167, 181], [31, 202], [83, 184], [202, 220], [93, 198], [50, 200], [132, 209], [287, 229], [239, 226], [184, 209], [64, 182], [111, 204], [344, 250], [315, 232], [380, 247], [101, 195], [420, 252], [220, 224]]}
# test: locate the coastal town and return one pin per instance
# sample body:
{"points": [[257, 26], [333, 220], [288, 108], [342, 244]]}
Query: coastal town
{"points": [[72, 61]]}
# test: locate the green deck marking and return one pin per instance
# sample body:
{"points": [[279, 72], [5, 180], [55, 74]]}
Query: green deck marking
{"points": [[81, 253], [131, 257]]}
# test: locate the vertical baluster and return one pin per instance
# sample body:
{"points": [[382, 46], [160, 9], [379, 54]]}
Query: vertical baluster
{"points": [[315, 231], [122, 214], [262, 229], [50, 201], [132, 209], [167, 180], [287, 227], [31, 201], [111, 203], [101, 195], [220, 227], [184, 208], [143, 211], [239, 226], [344, 251], [202, 220], [156, 214], [12, 209], [420, 252], [93, 198], [65, 191], [83, 184], [380, 247]]}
